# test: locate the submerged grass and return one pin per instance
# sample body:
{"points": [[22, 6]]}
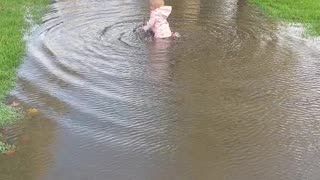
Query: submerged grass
{"points": [[12, 26], [306, 12]]}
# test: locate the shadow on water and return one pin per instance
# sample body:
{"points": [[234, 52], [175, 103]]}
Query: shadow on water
{"points": [[237, 97]]}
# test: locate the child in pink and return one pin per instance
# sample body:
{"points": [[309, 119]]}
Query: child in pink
{"points": [[158, 20]]}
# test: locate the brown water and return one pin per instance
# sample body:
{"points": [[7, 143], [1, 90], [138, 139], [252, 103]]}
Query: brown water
{"points": [[236, 98]]}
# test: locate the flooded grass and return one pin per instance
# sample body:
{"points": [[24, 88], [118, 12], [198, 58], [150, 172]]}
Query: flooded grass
{"points": [[12, 26], [6, 148], [302, 11]]}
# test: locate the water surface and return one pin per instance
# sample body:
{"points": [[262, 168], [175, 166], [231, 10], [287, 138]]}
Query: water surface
{"points": [[236, 98]]}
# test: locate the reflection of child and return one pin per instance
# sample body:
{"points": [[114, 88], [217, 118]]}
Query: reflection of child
{"points": [[158, 20]]}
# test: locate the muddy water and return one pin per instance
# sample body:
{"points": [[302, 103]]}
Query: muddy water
{"points": [[236, 98]]}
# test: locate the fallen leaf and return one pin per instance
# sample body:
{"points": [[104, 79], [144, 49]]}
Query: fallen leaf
{"points": [[11, 152], [33, 111], [25, 139], [15, 104]]}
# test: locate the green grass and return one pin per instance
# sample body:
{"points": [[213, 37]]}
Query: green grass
{"points": [[306, 12], [12, 28], [8, 114], [4, 147]]}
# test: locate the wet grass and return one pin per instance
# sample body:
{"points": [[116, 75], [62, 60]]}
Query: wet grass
{"points": [[306, 12], [7, 115], [12, 29], [5, 148]]}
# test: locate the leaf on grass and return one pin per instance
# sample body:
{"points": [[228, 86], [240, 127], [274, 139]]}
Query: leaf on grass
{"points": [[15, 104]]}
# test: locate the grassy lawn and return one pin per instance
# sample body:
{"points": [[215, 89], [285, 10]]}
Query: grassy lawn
{"points": [[12, 28], [306, 12]]}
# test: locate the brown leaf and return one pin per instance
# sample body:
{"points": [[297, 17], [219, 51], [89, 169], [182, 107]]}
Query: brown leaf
{"points": [[25, 139], [15, 104], [11, 152], [33, 111]]}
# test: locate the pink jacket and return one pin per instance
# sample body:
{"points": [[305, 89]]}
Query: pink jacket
{"points": [[158, 22]]}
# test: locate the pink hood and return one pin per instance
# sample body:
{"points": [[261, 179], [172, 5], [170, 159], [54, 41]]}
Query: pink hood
{"points": [[164, 10]]}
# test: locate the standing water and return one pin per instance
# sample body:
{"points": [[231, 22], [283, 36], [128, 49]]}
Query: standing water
{"points": [[235, 98]]}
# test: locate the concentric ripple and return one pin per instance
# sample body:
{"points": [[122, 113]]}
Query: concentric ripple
{"points": [[236, 97]]}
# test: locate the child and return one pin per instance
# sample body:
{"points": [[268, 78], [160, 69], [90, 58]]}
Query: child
{"points": [[158, 20]]}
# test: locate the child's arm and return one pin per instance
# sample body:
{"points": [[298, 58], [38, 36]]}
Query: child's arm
{"points": [[150, 23]]}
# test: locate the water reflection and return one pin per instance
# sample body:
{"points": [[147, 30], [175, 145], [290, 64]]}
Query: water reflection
{"points": [[159, 61]]}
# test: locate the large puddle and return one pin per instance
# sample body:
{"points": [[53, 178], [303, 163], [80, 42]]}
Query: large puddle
{"points": [[236, 98]]}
